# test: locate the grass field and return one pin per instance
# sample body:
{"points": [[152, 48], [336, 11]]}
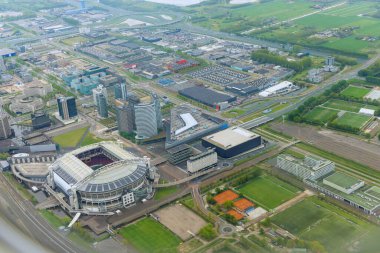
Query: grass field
{"points": [[347, 106], [74, 40], [164, 192], [267, 191], [90, 139], [352, 119], [355, 91], [70, 139], [352, 14], [149, 236], [319, 114], [337, 230]]}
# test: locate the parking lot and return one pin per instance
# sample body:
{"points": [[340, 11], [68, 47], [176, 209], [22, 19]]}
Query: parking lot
{"points": [[219, 75]]}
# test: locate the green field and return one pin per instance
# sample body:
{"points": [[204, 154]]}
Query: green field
{"points": [[149, 236], [319, 114], [355, 91], [355, 14], [74, 40], [267, 191], [337, 230], [90, 139], [352, 119], [347, 106], [70, 139], [164, 192]]}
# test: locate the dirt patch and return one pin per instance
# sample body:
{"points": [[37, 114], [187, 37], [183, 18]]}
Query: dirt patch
{"points": [[180, 220]]}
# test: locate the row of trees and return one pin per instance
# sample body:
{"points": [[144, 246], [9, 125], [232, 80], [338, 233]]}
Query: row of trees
{"points": [[264, 56], [372, 73]]}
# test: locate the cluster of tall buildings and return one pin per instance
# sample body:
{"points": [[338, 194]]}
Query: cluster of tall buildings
{"points": [[138, 115]]}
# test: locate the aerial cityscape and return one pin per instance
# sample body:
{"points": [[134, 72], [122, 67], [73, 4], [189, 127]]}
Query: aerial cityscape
{"points": [[190, 126]]}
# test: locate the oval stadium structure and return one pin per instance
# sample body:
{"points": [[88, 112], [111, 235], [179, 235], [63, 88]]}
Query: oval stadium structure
{"points": [[101, 178]]}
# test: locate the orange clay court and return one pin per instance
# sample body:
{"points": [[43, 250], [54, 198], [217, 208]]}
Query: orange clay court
{"points": [[243, 204], [225, 196], [238, 216]]}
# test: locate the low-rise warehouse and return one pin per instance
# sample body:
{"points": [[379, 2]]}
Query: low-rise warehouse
{"points": [[233, 141], [207, 96], [283, 87]]}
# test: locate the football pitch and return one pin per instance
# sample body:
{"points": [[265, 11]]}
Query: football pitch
{"points": [[337, 230], [355, 91], [347, 105], [352, 119], [149, 236], [319, 114], [267, 191]]}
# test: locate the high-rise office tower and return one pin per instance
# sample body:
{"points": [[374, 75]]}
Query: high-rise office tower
{"points": [[101, 103], [121, 91], [100, 89], [67, 107]]}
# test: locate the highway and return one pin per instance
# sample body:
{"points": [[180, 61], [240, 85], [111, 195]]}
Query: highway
{"points": [[23, 215]]}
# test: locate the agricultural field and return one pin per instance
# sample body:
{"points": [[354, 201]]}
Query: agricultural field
{"points": [[149, 236], [358, 15], [352, 119], [337, 230], [355, 91], [267, 191], [70, 139], [235, 18], [319, 114]]}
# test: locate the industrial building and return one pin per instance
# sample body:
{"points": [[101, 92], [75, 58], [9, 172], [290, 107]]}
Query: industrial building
{"points": [[310, 168], [67, 108], [207, 96], [202, 161], [40, 120], [101, 178], [179, 154], [281, 88], [233, 141], [188, 124], [6, 53]]}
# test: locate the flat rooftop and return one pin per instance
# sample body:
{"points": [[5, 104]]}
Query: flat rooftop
{"points": [[230, 137], [343, 180]]}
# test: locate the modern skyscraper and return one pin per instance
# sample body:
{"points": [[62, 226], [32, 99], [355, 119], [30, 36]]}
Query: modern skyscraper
{"points": [[100, 89], [126, 114], [67, 107], [101, 103], [148, 118], [5, 128], [121, 91], [330, 61]]}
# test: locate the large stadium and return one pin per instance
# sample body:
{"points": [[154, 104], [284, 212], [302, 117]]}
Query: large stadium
{"points": [[101, 177]]}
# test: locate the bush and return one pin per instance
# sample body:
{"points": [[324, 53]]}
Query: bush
{"points": [[208, 232]]}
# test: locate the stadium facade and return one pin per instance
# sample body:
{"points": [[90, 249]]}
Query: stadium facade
{"points": [[101, 177]]}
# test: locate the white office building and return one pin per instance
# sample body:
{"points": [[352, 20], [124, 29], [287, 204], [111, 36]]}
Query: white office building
{"points": [[202, 161]]}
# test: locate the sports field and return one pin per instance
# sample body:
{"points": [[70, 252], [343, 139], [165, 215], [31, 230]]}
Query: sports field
{"points": [[313, 219], [319, 114], [355, 91], [352, 119], [149, 236], [347, 106], [70, 139], [267, 191]]}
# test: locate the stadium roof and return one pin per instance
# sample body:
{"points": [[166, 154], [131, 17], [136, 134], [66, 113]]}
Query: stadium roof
{"points": [[230, 137], [71, 169], [343, 180]]}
